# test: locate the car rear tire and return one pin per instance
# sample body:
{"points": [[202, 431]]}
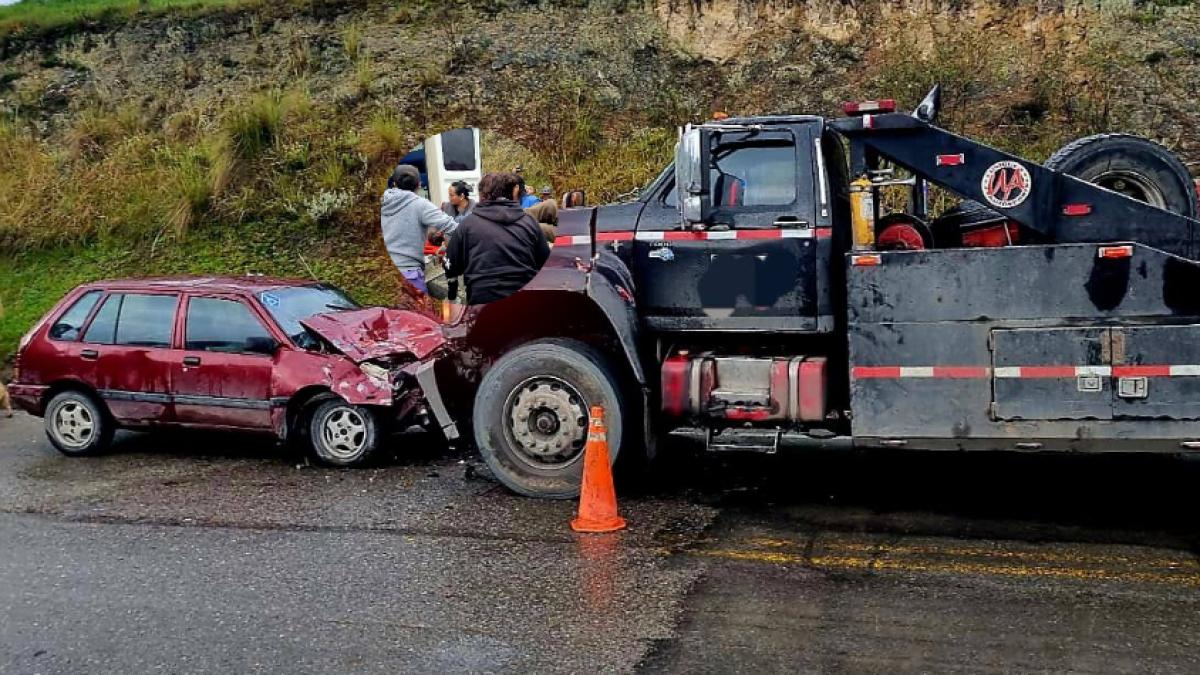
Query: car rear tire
{"points": [[78, 425], [531, 416], [1132, 166], [341, 434]]}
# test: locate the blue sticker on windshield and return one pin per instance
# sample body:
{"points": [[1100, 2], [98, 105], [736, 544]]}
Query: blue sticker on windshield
{"points": [[269, 299]]}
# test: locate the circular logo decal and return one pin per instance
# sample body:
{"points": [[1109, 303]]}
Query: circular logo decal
{"points": [[1006, 184]]}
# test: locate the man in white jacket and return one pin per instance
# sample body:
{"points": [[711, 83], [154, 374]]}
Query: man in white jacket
{"points": [[407, 221]]}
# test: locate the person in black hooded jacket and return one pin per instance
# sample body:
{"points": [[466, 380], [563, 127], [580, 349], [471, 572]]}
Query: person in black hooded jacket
{"points": [[498, 247]]}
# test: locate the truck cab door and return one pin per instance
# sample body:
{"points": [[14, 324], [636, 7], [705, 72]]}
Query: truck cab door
{"points": [[753, 266]]}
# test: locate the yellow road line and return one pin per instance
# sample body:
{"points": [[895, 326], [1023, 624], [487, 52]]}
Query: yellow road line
{"points": [[823, 545], [1187, 579]]}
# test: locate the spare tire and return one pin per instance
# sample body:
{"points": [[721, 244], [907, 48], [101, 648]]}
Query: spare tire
{"points": [[1132, 166]]}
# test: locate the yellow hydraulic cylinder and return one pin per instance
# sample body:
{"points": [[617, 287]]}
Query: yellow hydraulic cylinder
{"points": [[862, 214]]}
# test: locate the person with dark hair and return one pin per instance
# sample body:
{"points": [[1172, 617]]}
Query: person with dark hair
{"points": [[407, 221], [498, 247], [460, 202]]}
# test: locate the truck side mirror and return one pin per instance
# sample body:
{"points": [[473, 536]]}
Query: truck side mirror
{"points": [[691, 175]]}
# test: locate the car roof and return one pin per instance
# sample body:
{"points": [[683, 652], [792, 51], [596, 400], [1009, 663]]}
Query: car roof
{"points": [[247, 284]]}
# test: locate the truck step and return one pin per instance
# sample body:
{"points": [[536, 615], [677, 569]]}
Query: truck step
{"points": [[768, 441]]}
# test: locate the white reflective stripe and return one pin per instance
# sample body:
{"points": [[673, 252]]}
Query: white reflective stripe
{"points": [[1006, 371], [580, 239], [1102, 371], [721, 234], [1185, 371], [650, 236], [921, 371], [822, 189], [806, 233]]}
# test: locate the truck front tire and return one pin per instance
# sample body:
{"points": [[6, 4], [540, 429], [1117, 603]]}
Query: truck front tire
{"points": [[531, 415]]}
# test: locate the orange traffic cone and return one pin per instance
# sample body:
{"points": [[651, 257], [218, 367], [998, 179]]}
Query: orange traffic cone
{"points": [[598, 498]]}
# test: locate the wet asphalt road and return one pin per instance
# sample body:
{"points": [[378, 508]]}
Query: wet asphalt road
{"points": [[211, 553]]}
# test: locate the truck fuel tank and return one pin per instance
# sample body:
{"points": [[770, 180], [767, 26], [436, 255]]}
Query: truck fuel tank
{"points": [[745, 389]]}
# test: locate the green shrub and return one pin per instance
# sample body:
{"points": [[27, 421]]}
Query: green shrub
{"points": [[253, 126]]}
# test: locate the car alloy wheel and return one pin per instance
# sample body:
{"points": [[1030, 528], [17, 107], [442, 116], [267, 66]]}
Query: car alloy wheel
{"points": [[341, 434], [73, 425], [344, 433]]}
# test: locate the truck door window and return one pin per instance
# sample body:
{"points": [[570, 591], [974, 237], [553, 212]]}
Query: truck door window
{"points": [[759, 174]]}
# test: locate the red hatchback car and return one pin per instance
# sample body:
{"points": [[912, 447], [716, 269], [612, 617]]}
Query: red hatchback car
{"points": [[296, 359]]}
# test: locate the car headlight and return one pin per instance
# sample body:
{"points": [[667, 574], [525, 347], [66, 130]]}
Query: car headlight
{"points": [[375, 372]]}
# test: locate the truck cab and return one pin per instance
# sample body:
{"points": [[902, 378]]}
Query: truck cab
{"points": [[755, 265]]}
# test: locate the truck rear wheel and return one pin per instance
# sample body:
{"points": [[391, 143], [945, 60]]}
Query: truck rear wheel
{"points": [[1132, 166], [531, 415]]}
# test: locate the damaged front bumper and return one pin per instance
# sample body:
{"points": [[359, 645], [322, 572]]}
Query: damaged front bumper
{"points": [[387, 349]]}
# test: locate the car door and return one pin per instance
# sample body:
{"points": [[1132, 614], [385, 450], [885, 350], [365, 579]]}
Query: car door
{"points": [[222, 377], [129, 343]]}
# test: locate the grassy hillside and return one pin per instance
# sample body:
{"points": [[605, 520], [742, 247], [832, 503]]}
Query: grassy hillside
{"points": [[239, 136], [41, 16]]}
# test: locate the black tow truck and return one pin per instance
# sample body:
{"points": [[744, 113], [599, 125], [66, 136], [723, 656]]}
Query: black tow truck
{"points": [[770, 290]]}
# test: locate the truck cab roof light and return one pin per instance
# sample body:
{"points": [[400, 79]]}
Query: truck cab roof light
{"points": [[1077, 209], [883, 105], [1125, 251]]}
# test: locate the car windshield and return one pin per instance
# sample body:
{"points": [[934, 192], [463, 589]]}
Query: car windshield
{"points": [[290, 306]]}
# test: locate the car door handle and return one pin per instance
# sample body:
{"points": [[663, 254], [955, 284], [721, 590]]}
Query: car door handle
{"points": [[790, 221], [89, 354], [191, 360]]}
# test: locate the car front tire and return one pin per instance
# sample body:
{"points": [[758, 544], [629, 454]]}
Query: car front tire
{"points": [[341, 434], [77, 424]]}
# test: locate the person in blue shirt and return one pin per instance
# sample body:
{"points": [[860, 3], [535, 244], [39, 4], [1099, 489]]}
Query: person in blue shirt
{"points": [[528, 199]]}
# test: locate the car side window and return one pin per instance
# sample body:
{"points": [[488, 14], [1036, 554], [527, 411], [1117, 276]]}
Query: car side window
{"points": [[746, 175], [220, 325], [70, 324], [103, 329], [146, 320]]}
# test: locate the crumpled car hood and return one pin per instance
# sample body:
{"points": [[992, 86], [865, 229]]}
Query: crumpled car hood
{"points": [[378, 332]]}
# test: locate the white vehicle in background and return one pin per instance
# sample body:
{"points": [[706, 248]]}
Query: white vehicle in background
{"points": [[448, 157], [444, 159]]}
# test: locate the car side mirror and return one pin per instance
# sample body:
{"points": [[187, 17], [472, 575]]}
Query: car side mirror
{"points": [[261, 345], [691, 176]]}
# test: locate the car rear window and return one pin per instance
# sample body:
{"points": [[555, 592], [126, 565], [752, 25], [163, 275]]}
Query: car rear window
{"points": [[70, 323], [134, 320]]}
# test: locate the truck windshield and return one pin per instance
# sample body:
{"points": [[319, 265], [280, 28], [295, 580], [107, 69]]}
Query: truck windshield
{"points": [[290, 306]]}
